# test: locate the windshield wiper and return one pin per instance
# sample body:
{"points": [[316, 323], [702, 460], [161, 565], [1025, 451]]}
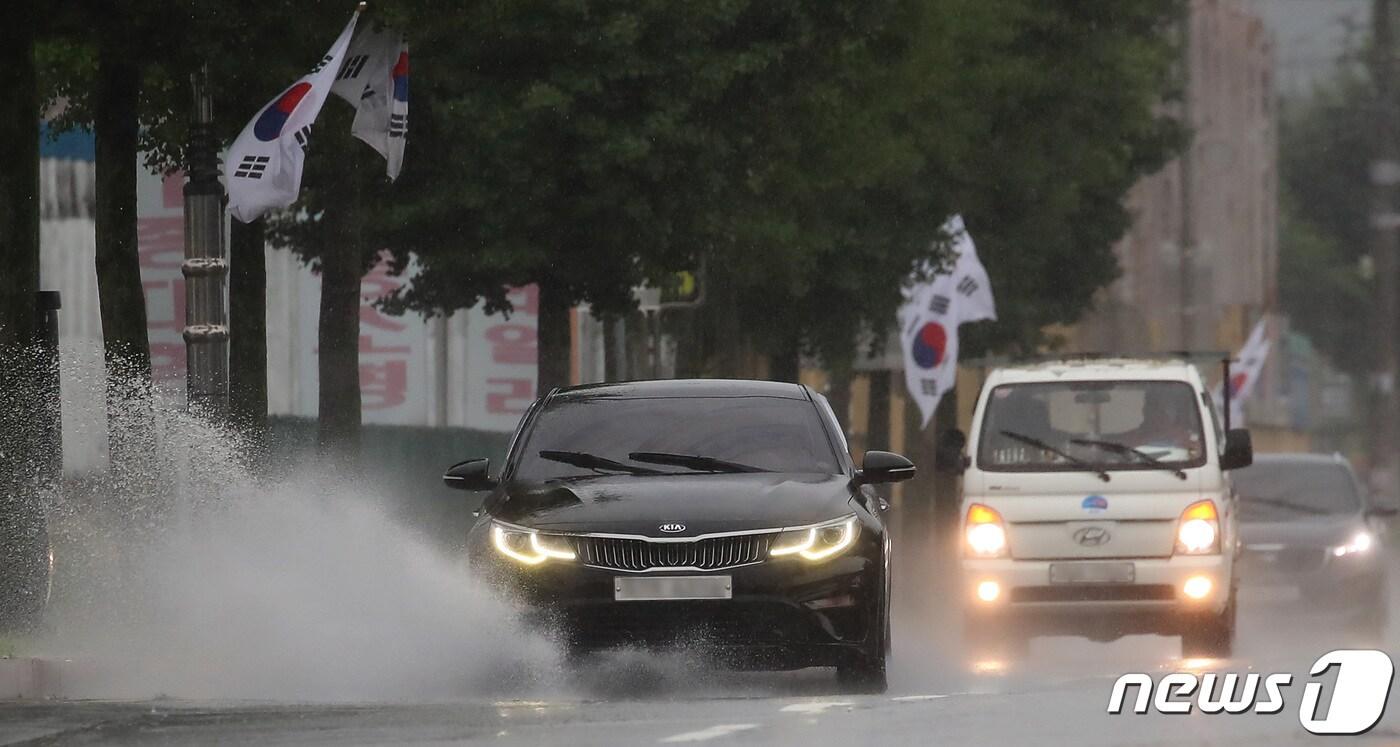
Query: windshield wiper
{"points": [[692, 461], [1281, 503], [595, 462], [1126, 449], [1037, 443]]}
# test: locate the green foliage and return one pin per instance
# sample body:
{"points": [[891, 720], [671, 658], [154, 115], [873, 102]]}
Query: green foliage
{"points": [[806, 152], [1324, 241]]}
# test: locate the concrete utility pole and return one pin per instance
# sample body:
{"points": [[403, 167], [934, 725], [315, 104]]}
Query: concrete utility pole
{"points": [[1385, 232], [206, 265]]}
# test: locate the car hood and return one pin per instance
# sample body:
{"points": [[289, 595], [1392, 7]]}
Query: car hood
{"points": [[704, 504], [1313, 532]]}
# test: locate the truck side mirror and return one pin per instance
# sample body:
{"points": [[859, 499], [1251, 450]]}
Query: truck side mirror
{"points": [[1239, 449], [469, 475], [948, 456]]}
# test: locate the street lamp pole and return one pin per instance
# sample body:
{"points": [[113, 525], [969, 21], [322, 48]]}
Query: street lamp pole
{"points": [[206, 265]]}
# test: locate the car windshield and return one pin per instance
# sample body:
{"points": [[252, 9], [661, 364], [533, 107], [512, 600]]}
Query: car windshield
{"points": [[582, 436], [1293, 491], [1092, 426]]}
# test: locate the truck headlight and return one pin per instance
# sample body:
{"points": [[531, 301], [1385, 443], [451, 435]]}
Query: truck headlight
{"points": [[528, 546], [985, 532], [1198, 530], [817, 542]]}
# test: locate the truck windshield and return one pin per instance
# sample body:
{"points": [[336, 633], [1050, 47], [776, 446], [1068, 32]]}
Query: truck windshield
{"points": [[1091, 426]]}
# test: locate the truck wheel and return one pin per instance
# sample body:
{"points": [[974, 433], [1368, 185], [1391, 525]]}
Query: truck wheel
{"points": [[1210, 637]]}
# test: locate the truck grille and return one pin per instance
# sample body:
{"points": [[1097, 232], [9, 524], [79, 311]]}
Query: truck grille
{"points": [[712, 553]]}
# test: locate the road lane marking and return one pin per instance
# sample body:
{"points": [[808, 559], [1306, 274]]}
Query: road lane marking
{"points": [[815, 707], [722, 730], [916, 698]]}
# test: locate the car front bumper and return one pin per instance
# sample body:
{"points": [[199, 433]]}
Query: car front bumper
{"points": [[1153, 602]]}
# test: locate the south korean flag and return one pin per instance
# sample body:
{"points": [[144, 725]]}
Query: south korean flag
{"points": [[1245, 372], [374, 79], [263, 168], [931, 314]]}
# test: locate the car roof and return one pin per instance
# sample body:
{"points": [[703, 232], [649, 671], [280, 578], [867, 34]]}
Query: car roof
{"points": [[682, 388], [1300, 458], [1096, 369]]}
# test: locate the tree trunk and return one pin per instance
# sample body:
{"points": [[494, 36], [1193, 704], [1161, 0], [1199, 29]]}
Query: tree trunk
{"points": [[19, 187], [248, 328], [23, 537], [339, 359], [126, 347], [785, 361], [555, 346]]}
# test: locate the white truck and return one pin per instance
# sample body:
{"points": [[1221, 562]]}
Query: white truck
{"points": [[1096, 502]]}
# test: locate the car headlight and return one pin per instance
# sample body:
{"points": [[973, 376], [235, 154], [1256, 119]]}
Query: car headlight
{"points": [[1198, 530], [817, 542], [528, 546], [1360, 543]]}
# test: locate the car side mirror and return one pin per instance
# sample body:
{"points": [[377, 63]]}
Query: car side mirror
{"points": [[882, 467], [1239, 449], [469, 475], [948, 457]]}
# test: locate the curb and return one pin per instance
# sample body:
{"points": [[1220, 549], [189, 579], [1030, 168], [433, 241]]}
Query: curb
{"points": [[29, 678]]}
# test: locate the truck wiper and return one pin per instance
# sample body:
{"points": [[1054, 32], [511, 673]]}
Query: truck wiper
{"points": [[595, 462], [1076, 461], [1118, 448], [692, 461]]}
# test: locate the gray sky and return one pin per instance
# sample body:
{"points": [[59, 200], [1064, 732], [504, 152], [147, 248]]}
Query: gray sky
{"points": [[1309, 35]]}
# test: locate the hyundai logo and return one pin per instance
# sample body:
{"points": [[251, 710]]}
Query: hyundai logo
{"points": [[1092, 536], [672, 528]]}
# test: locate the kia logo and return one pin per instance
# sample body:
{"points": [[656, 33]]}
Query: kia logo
{"points": [[1092, 536], [672, 528]]}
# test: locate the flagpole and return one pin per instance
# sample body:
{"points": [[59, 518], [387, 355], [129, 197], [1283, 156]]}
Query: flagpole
{"points": [[206, 265]]}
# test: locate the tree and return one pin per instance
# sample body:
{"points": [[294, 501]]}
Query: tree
{"points": [[600, 144], [1324, 238], [21, 412], [1031, 119], [153, 50]]}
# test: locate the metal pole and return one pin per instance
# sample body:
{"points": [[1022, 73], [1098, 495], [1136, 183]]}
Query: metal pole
{"points": [[1385, 234], [206, 265]]}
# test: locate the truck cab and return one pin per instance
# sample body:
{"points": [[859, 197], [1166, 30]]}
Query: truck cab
{"points": [[1097, 502]]}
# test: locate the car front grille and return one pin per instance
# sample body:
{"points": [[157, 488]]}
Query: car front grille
{"points": [[711, 553]]}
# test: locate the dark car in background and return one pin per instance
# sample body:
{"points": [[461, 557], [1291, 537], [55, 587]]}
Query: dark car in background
{"points": [[1313, 543], [723, 515]]}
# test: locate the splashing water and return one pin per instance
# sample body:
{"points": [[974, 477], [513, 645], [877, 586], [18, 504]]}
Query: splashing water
{"points": [[184, 575]]}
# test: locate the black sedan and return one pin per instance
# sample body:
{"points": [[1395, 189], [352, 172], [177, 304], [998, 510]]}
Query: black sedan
{"points": [[723, 515], [1312, 544]]}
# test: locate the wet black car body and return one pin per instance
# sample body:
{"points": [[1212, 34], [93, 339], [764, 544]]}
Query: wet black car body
{"points": [[725, 515], [1313, 544]]}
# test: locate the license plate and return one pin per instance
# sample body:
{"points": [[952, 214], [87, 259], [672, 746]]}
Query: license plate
{"points": [[1276, 594], [649, 588], [1092, 573]]}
